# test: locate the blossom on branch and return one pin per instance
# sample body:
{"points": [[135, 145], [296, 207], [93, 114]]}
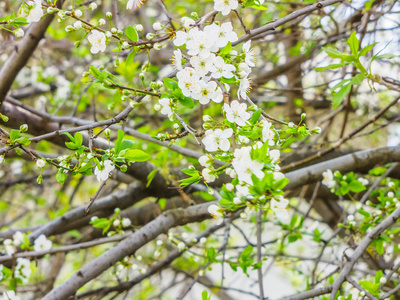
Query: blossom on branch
{"points": [[217, 138], [98, 41], [236, 113], [225, 6], [36, 13], [103, 173]]}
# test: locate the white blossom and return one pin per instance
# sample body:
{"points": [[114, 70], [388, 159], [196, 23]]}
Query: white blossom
{"points": [[278, 206], [78, 13], [40, 163], [221, 69], [236, 113], [116, 223], [19, 32], [139, 27], [363, 181], [268, 134], [166, 104], [78, 25], [98, 41], [249, 54], [216, 213], [202, 65], [134, 4], [205, 161], [225, 6], [187, 22], [18, 238], [42, 243], [36, 12], [102, 174], [222, 34], [181, 38], [199, 43], [328, 179], [217, 138], [244, 88], [208, 176], [93, 6], [181, 246], [9, 247], [188, 81], [245, 166], [177, 60], [229, 187], [102, 22], [208, 91], [126, 222], [244, 70], [23, 269]]}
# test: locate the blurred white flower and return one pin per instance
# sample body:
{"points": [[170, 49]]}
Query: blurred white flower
{"points": [[278, 206], [36, 12], [42, 243], [225, 6], [102, 175], [217, 138], [98, 41], [216, 213], [328, 179], [134, 4]]}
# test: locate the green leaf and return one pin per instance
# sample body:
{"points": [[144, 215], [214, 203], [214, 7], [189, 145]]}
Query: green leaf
{"points": [[131, 56], [354, 44], [186, 101], [14, 134], [358, 78], [355, 186], [329, 67], [23, 141], [333, 53], [118, 142], [256, 115], [95, 72], [131, 33], [162, 202], [366, 49], [150, 177], [78, 139], [170, 84], [339, 96], [136, 155], [226, 50]]}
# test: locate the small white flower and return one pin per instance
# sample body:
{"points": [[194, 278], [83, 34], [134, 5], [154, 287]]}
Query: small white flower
{"points": [[42, 243], [223, 34], [177, 60], [134, 4], [187, 22], [390, 194], [208, 91], [78, 25], [78, 13], [390, 184], [217, 139], [40, 163], [291, 125], [23, 269], [249, 59], [116, 223], [229, 187], [157, 26], [237, 200], [268, 134], [221, 69], [167, 105], [199, 43], [216, 213], [125, 45], [278, 206], [244, 70], [98, 41], [102, 175], [202, 65], [36, 12], [203, 240], [181, 246], [274, 155], [92, 6], [102, 22], [9, 247], [19, 32], [328, 179], [159, 243], [126, 222], [205, 161], [139, 27], [317, 130], [181, 38], [18, 238], [208, 176], [244, 88], [243, 139], [108, 34], [363, 181], [236, 113], [225, 6], [1, 159], [245, 166]]}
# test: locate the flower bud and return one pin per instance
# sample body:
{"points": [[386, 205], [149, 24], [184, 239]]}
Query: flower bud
{"points": [[317, 130], [114, 30], [92, 6], [141, 76], [139, 27], [303, 116], [229, 187], [116, 223], [157, 46], [102, 22], [150, 36], [107, 132], [176, 126], [23, 128], [77, 44], [109, 15], [117, 210], [69, 28], [194, 15], [40, 163], [123, 168], [157, 107], [207, 118], [125, 45], [19, 32], [78, 13], [157, 26]]}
